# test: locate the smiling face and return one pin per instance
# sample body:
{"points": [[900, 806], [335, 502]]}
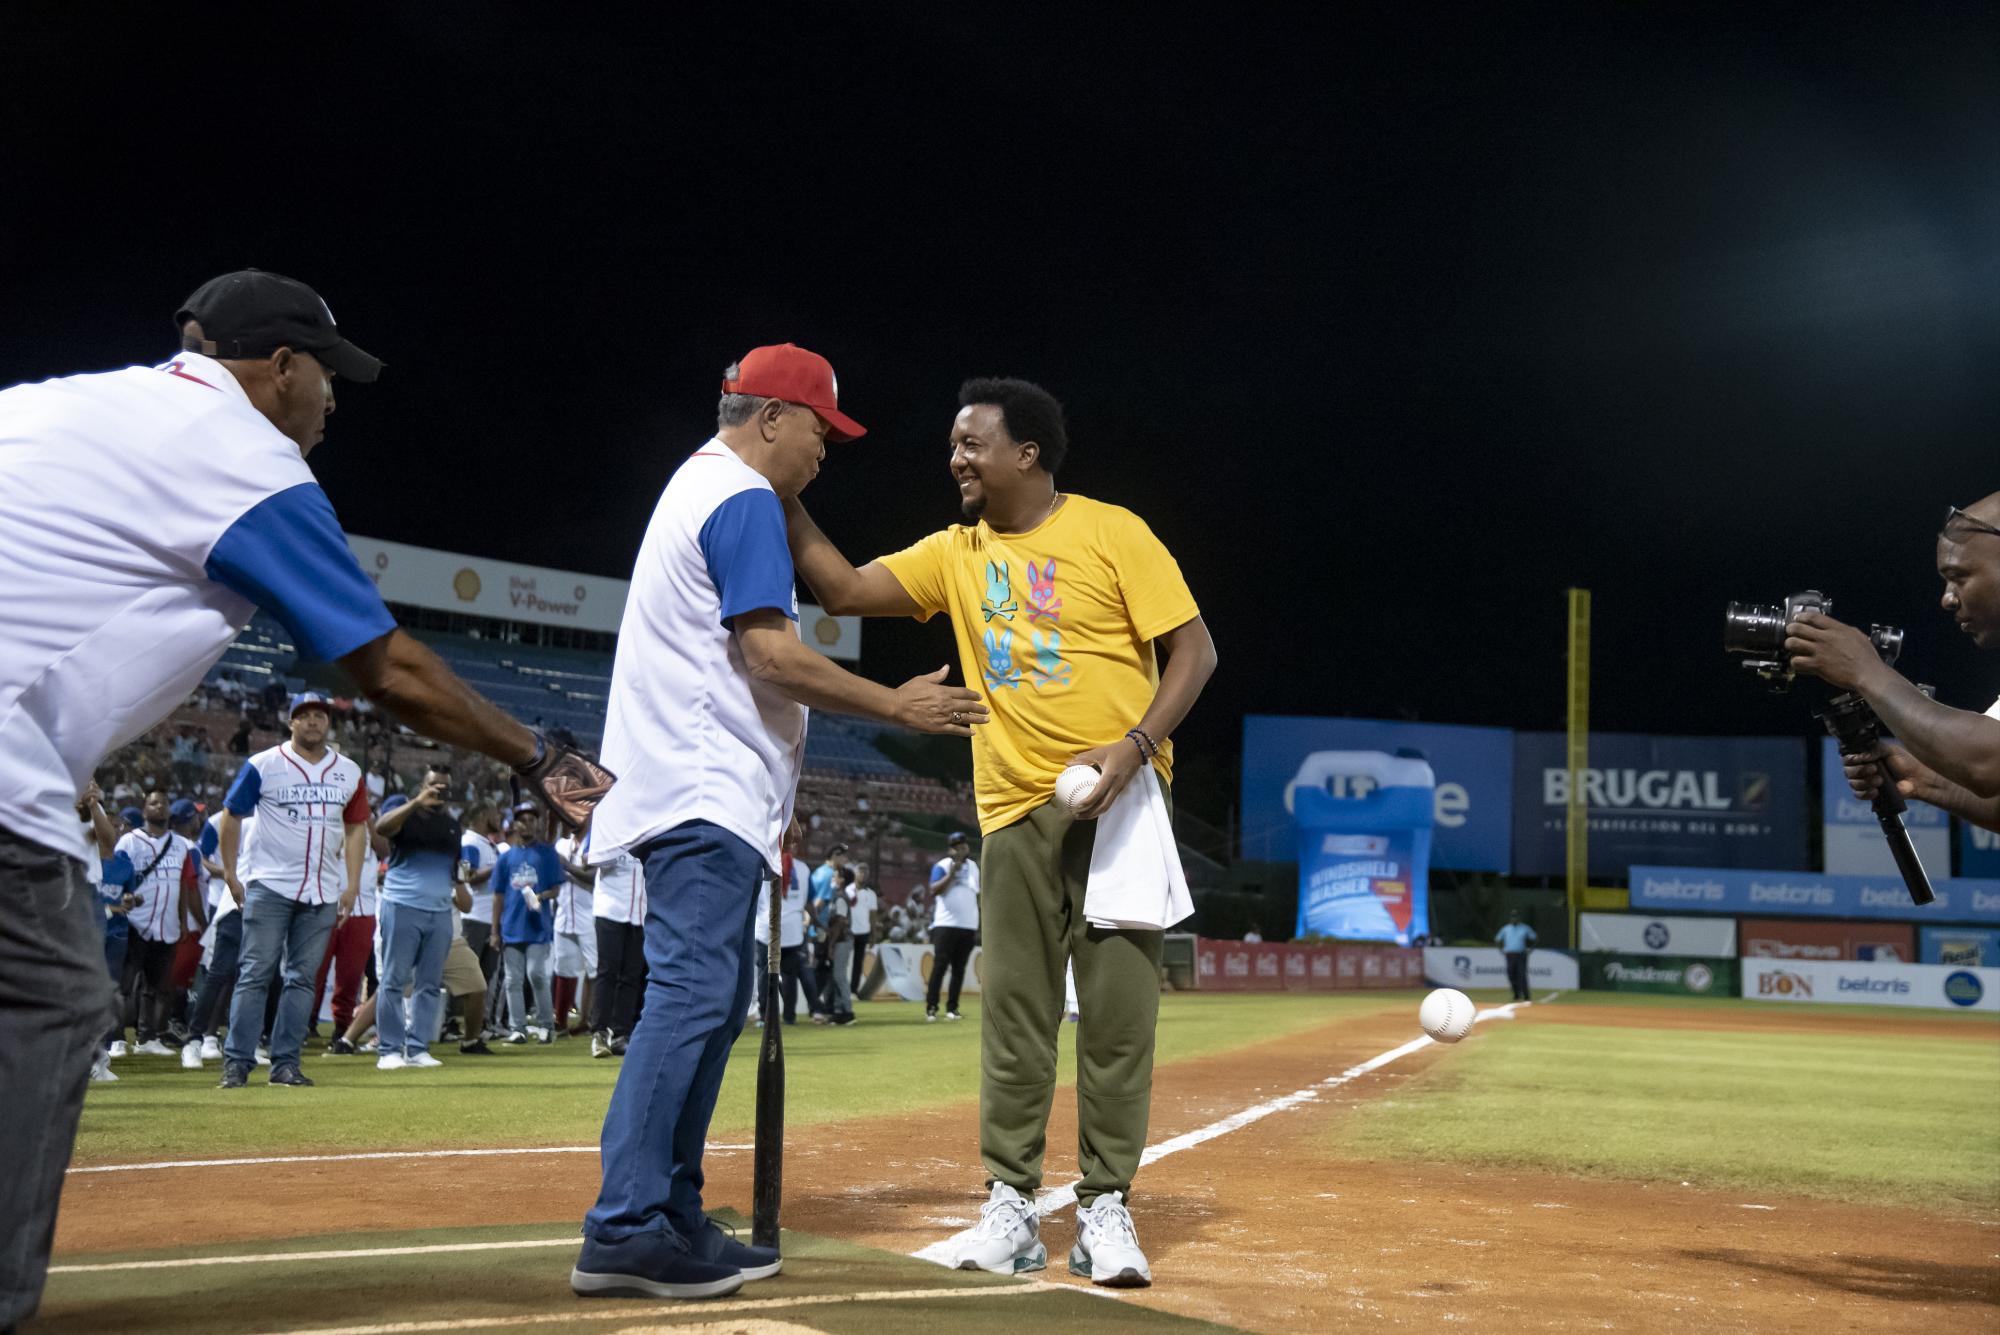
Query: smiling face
{"points": [[798, 444], [986, 462]]}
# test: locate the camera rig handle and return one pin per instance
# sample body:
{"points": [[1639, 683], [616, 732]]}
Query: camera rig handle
{"points": [[1857, 732]]}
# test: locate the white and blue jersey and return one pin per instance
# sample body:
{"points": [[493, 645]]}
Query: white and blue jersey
{"points": [[690, 734], [159, 868], [144, 515], [297, 844]]}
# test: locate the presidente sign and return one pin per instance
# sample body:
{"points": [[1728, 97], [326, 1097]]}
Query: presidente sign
{"points": [[1472, 769], [509, 591], [1705, 801], [1807, 895]]}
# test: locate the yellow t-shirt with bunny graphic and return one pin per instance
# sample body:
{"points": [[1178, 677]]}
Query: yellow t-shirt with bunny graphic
{"points": [[1055, 626]]}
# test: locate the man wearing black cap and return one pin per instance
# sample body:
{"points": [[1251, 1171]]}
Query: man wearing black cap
{"points": [[122, 595]]}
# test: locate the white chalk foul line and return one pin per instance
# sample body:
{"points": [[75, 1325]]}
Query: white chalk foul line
{"points": [[945, 1253], [626, 1312], [357, 1254], [376, 1154]]}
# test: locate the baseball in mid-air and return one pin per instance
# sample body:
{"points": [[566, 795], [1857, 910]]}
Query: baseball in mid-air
{"points": [[1446, 1015], [1075, 785]]}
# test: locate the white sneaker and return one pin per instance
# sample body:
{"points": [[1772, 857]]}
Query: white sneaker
{"points": [[153, 1047], [600, 1044], [516, 1038], [191, 1056], [539, 1034], [1107, 1248], [263, 1055], [1007, 1239], [422, 1061], [100, 1070], [210, 1049], [953, 1015], [390, 1061], [118, 1049]]}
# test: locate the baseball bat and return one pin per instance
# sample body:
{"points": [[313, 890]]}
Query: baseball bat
{"points": [[767, 1181]]}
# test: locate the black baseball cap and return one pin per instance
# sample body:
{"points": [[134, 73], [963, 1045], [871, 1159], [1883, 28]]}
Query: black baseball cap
{"points": [[252, 313]]}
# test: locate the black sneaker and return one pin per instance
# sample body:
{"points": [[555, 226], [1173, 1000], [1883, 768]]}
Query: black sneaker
{"points": [[719, 1245], [340, 1047], [476, 1048], [233, 1076], [289, 1075], [649, 1266]]}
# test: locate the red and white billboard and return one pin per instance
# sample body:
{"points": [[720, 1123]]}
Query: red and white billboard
{"points": [[1797, 939]]}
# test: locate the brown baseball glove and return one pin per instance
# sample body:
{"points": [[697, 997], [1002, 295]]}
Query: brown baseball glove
{"points": [[569, 783]]}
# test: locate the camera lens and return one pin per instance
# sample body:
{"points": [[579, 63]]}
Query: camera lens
{"points": [[1753, 628]]}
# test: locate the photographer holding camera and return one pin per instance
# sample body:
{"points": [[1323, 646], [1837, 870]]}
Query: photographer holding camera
{"points": [[1947, 757]]}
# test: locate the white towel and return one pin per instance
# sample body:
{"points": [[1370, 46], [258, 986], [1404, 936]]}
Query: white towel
{"points": [[1136, 881]]}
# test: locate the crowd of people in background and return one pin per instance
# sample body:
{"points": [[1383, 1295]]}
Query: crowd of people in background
{"points": [[463, 923]]}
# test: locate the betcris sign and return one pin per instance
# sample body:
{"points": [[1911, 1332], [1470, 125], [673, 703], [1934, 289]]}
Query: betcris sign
{"points": [[1807, 895], [1473, 769], [1853, 837], [1688, 801]]}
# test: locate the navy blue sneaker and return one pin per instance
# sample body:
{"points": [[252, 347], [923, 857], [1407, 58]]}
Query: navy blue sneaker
{"points": [[718, 1244], [651, 1265], [291, 1075]]}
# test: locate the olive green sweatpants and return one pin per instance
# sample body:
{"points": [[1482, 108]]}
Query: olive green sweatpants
{"points": [[1031, 919]]}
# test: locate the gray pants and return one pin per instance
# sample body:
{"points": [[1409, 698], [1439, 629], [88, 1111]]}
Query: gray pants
{"points": [[843, 986], [529, 964], [55, 1001]]}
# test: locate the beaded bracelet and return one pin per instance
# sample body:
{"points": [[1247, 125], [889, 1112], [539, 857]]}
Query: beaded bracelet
{"points": [[1147, 747]]}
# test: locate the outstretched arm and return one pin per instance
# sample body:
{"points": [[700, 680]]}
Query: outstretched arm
{"points": [[774, 654], [401, 674], [842, 590]]}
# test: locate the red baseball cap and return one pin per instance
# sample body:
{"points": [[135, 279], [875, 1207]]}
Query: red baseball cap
{"points": [[789, 372]]}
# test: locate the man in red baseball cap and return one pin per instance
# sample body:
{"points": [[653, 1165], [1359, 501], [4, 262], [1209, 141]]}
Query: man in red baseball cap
{"points": [[789, 373]]}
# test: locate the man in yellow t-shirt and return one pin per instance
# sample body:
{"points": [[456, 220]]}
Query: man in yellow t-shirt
{"points": [[1060, 605]]}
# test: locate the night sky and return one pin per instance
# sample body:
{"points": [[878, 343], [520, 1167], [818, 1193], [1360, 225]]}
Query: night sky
{"points": [[1391, 333]]}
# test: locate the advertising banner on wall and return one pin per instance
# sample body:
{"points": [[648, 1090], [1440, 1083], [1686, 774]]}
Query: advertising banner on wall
{"points": [[1804, 894], [1484, 966], [906, 969], [1252, 966], [1800, 939], [1640, 934], [1675, 975], [1691, 801], [1853, 837], [1472, 800], [1931, 986], [1976, 946], [1978, 852]]}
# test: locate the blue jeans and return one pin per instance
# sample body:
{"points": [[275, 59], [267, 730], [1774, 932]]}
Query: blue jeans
{"points": [[701, 893], [276, 929], [527, 964], [414, 944], [220, 975]]}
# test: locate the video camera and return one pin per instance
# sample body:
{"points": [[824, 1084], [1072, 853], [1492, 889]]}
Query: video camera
{"points": [[1759, 629]]}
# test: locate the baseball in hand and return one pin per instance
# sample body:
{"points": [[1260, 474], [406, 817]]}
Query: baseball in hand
{"points": [[1075, 785], [1446, 1015]]}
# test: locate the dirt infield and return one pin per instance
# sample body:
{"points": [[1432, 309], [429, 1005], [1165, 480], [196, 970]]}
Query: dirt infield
{"points": [[1256, 1229]]}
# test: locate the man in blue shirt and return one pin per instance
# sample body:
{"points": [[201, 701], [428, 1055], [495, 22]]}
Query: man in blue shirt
{"points": [[526, 881], [415, 928], [1515, 940]]}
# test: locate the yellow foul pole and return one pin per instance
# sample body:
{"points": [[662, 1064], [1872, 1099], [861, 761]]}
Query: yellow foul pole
{"points": [[1576, 820]]}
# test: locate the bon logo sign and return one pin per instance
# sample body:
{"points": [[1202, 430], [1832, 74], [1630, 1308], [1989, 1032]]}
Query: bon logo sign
{"points": [[1779, 983]]}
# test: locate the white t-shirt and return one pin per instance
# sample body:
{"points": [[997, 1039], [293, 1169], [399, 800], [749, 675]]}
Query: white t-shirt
{"points": [[620, 895], [955, 894], [478, 854], [689, 733], [864, 910], [157, 915], [297, 844], [144, 515], [791, 919], [575, 905], [1994, 711]]}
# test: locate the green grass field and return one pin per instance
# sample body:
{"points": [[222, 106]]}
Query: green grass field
{"points": [[890, 1062], [1907, 1119]]}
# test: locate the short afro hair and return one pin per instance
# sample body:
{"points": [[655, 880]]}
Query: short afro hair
{"points": [[1029, 412]]}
